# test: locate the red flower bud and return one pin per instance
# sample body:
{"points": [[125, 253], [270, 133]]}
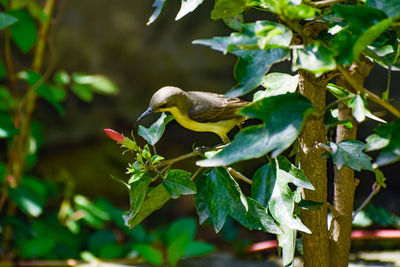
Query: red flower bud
{"points": [[114, 135]]}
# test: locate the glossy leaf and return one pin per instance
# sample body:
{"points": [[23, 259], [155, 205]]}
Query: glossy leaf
{"points": [[263, 183], [287, 241], [177, 248], [178, 183], [158, 4], [281, 204], [235, 22], [150, 254], [228, 8], [350, 153], [155, 199], [390, 7], [376, 142], [23, 32], [153, 134], [384, 51], [137, 193], [370, 35], [95, 82], [359, 110], [391, 152], [187, 6], [6, 20], [29, 196], [252, 66], [278, 84], [282, 118], [315, 58]]}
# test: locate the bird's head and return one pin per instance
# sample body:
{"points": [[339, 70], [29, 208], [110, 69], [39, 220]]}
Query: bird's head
{"points": [[163, 100]]}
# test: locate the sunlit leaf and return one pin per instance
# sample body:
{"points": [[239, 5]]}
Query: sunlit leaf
{"points": [[391, 152], [350, 153], [6, 20], [278, 83], [315, 58], [252, 66], [153, 134], [178, 183], [187, 6], [283, 117], [228, 8], [97, 83], [287, 241], [158, 4], [23, 32]]}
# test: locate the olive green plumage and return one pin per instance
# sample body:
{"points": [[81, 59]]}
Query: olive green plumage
{"points": [[198, 111]]}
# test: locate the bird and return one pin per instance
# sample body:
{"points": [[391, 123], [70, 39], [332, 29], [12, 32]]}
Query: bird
{"points": [[198, 111]]}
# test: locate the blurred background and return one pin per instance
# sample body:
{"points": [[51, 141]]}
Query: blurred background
{"points": [[112, 38]]}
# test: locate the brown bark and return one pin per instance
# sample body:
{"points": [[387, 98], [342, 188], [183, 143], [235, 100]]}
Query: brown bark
{"points": [[316, 245], [345, 183]]}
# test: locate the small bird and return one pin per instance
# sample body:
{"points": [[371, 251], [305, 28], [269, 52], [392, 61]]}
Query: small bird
{"points": [[198, 111]]}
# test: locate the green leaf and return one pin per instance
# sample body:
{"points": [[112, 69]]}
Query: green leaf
{"points": [[310, 205], [350, 153], [23, 32], [281, 204], [218, 196], [111, 251], [49, 93], [99, 239], [252, 66], [380, 178], [390, 7], [178, 183], [155, 199], [315, 58], [391, 152], [382, 216], [6, 20], [37, 247], [153, 134], [62, 77], [198, 248], [182, 225], [137, 194], [228, 8], [29, 196], [263, 183], [338, 92], [279, 83], [177, 248], [150, 254], [97, 83], [187, 6], [258, 35], [376, 142], [158, 4], [7, 128], [82, 91], [359, 110], [287, 241], [235, 22], [369, 36], [283, 117]]}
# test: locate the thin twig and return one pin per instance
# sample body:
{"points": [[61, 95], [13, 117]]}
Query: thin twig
{"points": [[375, 189], [334, 103], [359, 88], [335, 214], [196, 173], [238, 175], [326, 147]]}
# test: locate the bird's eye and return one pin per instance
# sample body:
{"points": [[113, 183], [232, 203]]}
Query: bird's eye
{"points": [[163, 106]]}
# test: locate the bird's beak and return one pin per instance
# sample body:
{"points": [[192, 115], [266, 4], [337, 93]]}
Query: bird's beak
{"points": [[147, 112]]}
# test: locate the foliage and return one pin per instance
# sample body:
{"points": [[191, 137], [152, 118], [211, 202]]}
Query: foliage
{"points": [[332, 36]]}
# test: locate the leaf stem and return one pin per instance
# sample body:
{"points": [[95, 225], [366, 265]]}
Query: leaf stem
{"points": [[334, 103], [238, 175], [324, 3]]}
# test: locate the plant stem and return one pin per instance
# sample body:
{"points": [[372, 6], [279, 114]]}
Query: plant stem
{"points": [[324, 3], [359, 88], [238, 175], [375, 189]]}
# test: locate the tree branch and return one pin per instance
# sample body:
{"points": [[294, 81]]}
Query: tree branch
{"points": [[375, 189]]}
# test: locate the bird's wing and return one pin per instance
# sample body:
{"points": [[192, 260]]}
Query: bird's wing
{"points": [[220, 109]]}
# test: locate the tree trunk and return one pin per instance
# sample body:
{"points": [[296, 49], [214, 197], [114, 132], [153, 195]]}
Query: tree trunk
{"points": [[345, 183], [316, 245]]}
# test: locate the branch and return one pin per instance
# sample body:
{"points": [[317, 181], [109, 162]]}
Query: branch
{"points": [[359, 88], [375, 189]]}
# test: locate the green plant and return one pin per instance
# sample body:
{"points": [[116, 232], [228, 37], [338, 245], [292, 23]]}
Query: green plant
{"points": [[324, 41]]}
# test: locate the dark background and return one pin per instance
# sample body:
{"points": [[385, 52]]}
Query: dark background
{"points": [[111, 38]]}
